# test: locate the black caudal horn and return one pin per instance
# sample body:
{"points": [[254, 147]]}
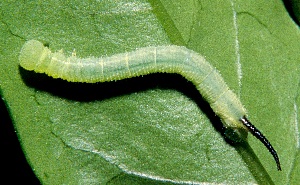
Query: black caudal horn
{"points": [[255, 132]]}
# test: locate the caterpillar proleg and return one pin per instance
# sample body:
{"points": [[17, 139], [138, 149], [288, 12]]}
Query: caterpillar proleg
{"points": [[166, 59]]}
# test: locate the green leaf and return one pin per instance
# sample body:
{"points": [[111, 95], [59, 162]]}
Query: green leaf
{"points": [[153, 129]]}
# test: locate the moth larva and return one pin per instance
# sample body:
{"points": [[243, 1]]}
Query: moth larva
{"points": [[168, 59]]}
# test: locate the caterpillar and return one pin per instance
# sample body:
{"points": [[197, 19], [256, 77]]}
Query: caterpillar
{"points": [[34, 56]]}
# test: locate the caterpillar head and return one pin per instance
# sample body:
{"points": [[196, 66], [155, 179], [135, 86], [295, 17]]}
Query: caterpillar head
{"points": [[32, 53]]}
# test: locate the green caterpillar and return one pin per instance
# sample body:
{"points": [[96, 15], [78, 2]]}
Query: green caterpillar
{"points": [[165, 59]]}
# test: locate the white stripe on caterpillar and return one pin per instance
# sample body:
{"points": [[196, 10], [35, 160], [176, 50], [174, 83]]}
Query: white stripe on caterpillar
{"points": [[167, 59]]}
